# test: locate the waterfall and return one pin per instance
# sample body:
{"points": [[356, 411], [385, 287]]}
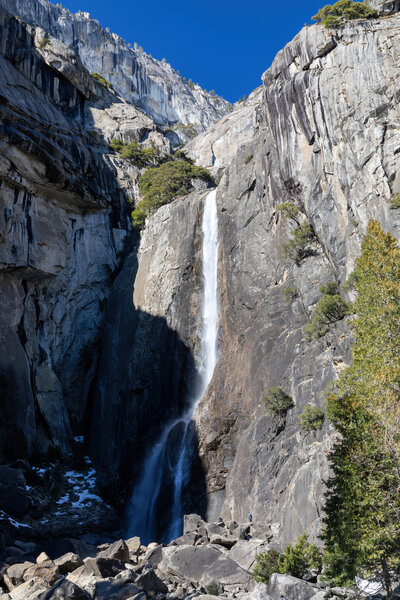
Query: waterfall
{"points": [[143, 504]]}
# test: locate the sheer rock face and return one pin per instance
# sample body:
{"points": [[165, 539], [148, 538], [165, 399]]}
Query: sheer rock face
{"points": [[325, 136], [328, 140], [64, 228], [151, 85]]}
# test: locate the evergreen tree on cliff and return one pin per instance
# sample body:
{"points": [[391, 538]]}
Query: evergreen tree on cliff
{"points": [[362, 522]]}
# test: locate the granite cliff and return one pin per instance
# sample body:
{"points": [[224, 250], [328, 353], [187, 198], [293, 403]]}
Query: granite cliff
{"points": [[79, 358]]}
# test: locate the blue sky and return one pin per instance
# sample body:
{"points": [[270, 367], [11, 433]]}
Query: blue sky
{"points": [[223, 45]]}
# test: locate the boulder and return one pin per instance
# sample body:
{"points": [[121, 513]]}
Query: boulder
{"points": [[68, 562], [64, 590], [109, 590], [153, 556], [194, 522], [103, 567], [83, 579], [188, 562], [286, 586], [47, 572], [187, 539], [29, 590], [151, 583], [226, 541], [133, 545], [42, 558], [118, 550], [243, 553], [226, 572], [14, 575]]}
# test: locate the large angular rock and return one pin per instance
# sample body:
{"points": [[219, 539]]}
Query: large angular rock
{"points": [[118, 550], [14, 575], [226, 572], [29, 590], [109, 590], [68, 562], [64, 590], [244, 552], [47, 572], [150, 583], [286, 586], [103, 567], [133, 545], [188, 562], [194, 523]]}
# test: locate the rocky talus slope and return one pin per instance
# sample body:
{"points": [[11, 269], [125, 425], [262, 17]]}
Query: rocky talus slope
{"points": [[151, 85], [209, 559]]}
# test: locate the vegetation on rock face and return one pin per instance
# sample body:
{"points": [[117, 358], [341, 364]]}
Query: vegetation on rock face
{"points": [[312, 418], [297, 560], [160, 185], [44, 43], [394, 201], [101, 80], [290, 293], [141, 157], [334, 16], [298, 247], [277, 402], [330, 309], [362, 531]]}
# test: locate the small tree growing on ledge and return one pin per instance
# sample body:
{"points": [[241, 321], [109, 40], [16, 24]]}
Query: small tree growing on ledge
{"points": [[334, 16], [277, 402]]}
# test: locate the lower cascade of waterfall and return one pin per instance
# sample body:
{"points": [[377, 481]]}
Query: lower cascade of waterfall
{"points": [[171, 457]]}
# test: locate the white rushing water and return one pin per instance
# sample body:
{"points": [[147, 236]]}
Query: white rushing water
{"points": [[142, 510]]}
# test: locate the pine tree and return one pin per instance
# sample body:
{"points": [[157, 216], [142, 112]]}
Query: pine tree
{"points": [[362, 522]]}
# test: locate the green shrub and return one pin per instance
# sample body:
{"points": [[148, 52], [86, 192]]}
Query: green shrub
{"points": [[160, 185], [266, 564], [297, 247], [312, 418], [297, 560], [394, 201], [301, 236], [212, 589], [334, 16], [290, 293], [277, 402], [44, 43], [248, 158], [330, 308], [142, 157], [102, 80]]}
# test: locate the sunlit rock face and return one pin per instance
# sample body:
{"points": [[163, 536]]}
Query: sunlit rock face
{"points": [[151, 85]]}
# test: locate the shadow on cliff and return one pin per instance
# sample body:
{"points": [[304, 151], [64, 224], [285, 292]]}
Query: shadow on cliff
{"points": [[144, 378]]}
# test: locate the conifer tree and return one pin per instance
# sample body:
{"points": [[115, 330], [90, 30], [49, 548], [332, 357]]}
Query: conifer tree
{"points": [[362, 522]]}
